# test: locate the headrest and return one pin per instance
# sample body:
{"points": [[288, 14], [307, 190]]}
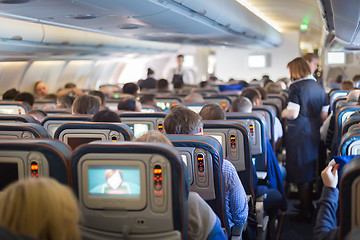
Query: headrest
{"points": [[66, 117], [17, 118], [353, 119], [35, 129], [11, 107], [142, 115], [57, 154], [347, 142]]}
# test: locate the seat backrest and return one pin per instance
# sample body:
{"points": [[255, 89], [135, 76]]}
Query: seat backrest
{"points": [[234, 138], [268, 113], [22, 130], [150, 202], [274, 104], [341, 115], [337, 103], [52, 122], [350, 143], [23, 158], [349, 122], [58, 111], [11, 107], [75, 134], [44, 104], [112, 104], [256, 125], [204, 158], [223, 101], [336, 94], [149, 109], [280, 99], [141, 123], [349, 199], [165, 103], [16, 118]]}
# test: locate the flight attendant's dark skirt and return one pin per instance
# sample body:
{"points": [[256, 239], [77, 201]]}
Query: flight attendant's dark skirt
{"points": [[302, 143]]}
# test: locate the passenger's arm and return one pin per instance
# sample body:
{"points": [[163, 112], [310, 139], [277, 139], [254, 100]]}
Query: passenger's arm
{"points": [[236, 196], [326, 225]]}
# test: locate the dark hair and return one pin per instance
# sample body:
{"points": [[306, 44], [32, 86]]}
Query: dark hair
{"points": [[37, 114], [50, 96], [101, 95], [65, 101], [147, 99], [106, 116], [86, 104], [180, 56], [162, 84], [204, 84], [241, 104], [70, 85], [127, 104], [130, 88], [25, 97], [182, 120], [212, 111], [262, 92], [251, 93], [10, 94], [356, 78], [150, 71]]}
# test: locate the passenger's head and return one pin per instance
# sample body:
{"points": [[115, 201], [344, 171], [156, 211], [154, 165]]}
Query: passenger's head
{"points": [[153, 136], [212, 111], [356, 78], [262, 91], [150, 72], [106, 116], [40, 208], [70, 85], [253, 95], [25, 97], [40, 88], [10, 94], [129, 104], [162, 85], [194, 98], [312, 60], [130, 88], [86, 104], [64, 101], [353, 96], [180, 60], [37, 114], [347, 85], [182, 120], [204, 84], [241, 104], [298, 69], [273, 88], [148, 99], [99, 94]]}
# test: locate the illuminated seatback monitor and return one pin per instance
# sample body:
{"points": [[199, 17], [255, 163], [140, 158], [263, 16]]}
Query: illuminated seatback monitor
{"points": [[139, 128], [165, 106], [114, 184]]}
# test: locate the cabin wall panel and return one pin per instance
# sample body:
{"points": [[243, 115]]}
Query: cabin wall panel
{"points": [[233, 63], [11, 74]]}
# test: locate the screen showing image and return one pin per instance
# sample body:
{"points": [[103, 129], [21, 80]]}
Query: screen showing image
{"points": [[257, 61], [184, 158], [114, 181], [336, 58], [163, 105], [9, 111], [74, 142], [139, 128], [8, 174], [218, 137]]}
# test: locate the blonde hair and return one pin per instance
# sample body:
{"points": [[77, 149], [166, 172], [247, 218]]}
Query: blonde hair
{"points": [[154, 136], [40, 208], [298, 68]]}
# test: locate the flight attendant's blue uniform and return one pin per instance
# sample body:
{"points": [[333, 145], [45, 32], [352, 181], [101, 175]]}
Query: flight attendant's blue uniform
{"points": [[303, 134]]}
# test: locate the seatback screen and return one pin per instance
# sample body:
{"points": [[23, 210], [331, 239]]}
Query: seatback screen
{"points": [[8, 174], [139, 128], [74, 142]]}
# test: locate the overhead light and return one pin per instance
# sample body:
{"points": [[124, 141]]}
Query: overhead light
{"points": [[259, 14], [303, 27]]}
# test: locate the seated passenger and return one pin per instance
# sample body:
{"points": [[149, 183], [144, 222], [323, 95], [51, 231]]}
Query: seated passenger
{"points": [[202, 221], [149, 82], [37, 114], [106, 116], [40, 208], [40, 89], [86, 104], [182, 120], [130, 89], [194, 98], [129, 104], [274, 199], [69, 89], [326, 223], [10, 94], [101, 95], [64, 101], [346, 85], [25, 97], [162, 85]]}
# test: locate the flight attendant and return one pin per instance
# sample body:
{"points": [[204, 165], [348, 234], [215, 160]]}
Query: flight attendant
{"points": [[307, 108]]}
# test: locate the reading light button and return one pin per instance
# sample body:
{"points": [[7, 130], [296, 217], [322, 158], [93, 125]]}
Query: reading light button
{"points": [[158, 186], [160, 127], [201, 168], [232, 143]]}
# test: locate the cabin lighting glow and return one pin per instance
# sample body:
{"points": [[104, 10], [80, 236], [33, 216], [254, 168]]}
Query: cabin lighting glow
{"points": [[259, 14], [303, 27]]}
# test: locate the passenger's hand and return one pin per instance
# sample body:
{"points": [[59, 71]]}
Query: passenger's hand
{"points": [[330, 175], [77, 92]]}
